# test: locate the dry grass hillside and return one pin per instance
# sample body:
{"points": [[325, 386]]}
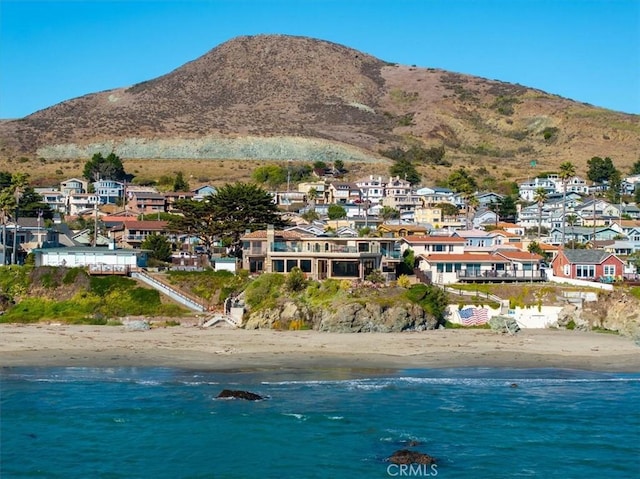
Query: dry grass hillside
{"points": [[273, 98]]}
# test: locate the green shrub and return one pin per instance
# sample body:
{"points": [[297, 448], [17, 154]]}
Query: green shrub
{"points": [[264, 290], [71, 275], [296, 280]]}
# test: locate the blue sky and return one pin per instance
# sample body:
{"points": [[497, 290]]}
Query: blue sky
{"points": [[585, 50]]}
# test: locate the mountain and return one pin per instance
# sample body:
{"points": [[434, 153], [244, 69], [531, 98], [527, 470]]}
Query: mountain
{"points": [[285, 97]]}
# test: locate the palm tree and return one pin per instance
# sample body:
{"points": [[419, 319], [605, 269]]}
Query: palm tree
{"points": [[567, 171], [540, 196]]}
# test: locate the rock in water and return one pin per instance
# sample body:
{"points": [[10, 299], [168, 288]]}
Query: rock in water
{"points": [[405, 456], [232, 394]]}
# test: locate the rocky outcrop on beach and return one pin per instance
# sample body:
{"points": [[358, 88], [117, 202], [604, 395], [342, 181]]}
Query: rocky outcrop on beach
{"points": [[353, 317], [616, 310]]}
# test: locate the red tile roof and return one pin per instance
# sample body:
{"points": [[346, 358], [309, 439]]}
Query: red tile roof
{"points": [[145, 225], [520, 255], [262, 234]]}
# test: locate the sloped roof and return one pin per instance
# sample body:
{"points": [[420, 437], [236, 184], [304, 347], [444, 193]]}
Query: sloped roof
{"points": [[586, 256], [433, 239], [520, 255], [145, 225], [262, 234]]}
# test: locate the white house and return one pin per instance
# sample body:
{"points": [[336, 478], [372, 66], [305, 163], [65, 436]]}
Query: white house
{"points": [[527, 190], [98, 260]]}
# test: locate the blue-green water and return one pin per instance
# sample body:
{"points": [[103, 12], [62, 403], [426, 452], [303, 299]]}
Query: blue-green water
{"points": [[166, 423]]}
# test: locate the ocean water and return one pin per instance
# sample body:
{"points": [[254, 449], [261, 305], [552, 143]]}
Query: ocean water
{"points": [[334, 423]]}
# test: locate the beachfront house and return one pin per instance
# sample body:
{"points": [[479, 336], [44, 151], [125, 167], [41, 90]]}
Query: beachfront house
{"points": [[319, 257], [97, 260]]}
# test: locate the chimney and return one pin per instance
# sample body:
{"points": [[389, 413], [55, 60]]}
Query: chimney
{"points": [[271, 239]]}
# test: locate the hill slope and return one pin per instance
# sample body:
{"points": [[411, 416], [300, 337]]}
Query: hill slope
{"points": [[280, 97]]}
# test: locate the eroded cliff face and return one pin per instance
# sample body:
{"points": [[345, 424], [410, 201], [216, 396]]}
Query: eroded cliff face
{"points": [[353, 317], [616, 311]]}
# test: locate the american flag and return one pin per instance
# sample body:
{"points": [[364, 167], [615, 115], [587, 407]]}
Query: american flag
{"points": [[473, 316]]}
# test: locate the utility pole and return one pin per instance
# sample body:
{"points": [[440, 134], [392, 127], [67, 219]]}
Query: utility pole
{"points": [[593, 197], [95, 224], [15, 229]]}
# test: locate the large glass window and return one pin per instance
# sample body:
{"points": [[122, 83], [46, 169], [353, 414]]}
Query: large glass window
{"points": [[609, 270], [305, 265], [291, 263], [585, 271], [363, 247], [278, 266], [345, 269]]}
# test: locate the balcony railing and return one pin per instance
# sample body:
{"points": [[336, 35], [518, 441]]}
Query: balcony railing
{"points": [[283, 248], [500, 275]]}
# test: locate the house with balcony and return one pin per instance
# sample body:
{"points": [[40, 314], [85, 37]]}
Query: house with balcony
{"points": [[432, 195], [406, 204], [56, 200], [131, 234], [110, 192], [574, 185], [80, 203], [527, 190], [318, 188], [319, 257], [425, 245], [342, 193], [73, 186], [372, 188], [530, 216], [145, 202], [500, 266], [27, 234], [391, 230], [397, 187]]}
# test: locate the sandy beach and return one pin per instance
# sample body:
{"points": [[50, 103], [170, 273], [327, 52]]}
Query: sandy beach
{"points": [[231, 349]]}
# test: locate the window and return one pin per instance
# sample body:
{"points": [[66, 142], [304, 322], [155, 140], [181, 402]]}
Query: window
{"points": [[278, 266], [363, 247], [438, 247], [609, 270], [585, 271], [345, 269], [305, 265], [291, 263]]}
